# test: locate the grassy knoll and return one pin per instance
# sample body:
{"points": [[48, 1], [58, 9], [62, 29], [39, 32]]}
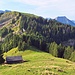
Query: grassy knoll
{"points": [[38, 63]]}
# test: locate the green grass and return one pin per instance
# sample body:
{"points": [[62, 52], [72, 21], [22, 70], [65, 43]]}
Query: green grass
{"points": [[38, 63]]}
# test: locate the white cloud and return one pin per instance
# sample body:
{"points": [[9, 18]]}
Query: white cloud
{"points": [[1, 2], [41, 5], [58, 7], [37, 2], [47, 7], [44, 5]]}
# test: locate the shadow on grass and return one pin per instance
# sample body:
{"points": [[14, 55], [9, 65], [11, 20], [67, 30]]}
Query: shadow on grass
{"points": [[34, 49], [17, 62]]}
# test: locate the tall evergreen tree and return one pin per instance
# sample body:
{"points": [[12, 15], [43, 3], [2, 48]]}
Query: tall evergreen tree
{"points": [[53, 49], [72, 58], [67, 52], [60, 51]]}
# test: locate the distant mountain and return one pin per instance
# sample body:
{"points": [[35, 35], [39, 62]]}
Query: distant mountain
{"points": [[65, 20], [73, 21], [1, 11]]}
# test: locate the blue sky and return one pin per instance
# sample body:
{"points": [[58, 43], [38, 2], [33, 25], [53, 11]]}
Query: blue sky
{"points": [[45, 8]]}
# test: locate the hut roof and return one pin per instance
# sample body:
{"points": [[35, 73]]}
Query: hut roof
{"points": [[14, 58]]}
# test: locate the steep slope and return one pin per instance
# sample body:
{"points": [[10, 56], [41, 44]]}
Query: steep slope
{"points": [[43, 30], [10, 20], [4, 18], [65, 20]]}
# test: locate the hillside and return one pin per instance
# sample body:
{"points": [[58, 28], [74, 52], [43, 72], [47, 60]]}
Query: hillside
{"points": [[36, 38], [38, 63], [23, 30]]}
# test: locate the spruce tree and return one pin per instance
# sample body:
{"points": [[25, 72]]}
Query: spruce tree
{"points": [[72, 58], [53, 49], [67, 52]]}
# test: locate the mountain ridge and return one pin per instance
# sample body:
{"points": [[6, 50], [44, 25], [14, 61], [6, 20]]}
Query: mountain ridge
{"points": [[65, 20], [61, 19]]}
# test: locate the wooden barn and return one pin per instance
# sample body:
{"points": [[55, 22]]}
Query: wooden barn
{"points": [[14, 59]]}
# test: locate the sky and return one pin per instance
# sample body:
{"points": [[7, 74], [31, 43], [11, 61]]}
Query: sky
{"points": [[44, 8]]}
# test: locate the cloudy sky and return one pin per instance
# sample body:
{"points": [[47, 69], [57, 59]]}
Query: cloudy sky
{"points": [[45, 8]]}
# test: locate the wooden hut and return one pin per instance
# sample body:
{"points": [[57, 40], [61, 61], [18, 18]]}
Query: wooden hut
{"points": [[14, 59]]}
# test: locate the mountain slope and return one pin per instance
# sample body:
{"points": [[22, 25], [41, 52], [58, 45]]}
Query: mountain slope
{"points": [[23, 30], [43, 30], [65, 20]]}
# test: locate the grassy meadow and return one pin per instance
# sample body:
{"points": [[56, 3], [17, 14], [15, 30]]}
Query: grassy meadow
{"points": [[37, 63]]}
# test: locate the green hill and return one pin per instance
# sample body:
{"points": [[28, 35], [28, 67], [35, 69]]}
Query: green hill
{"points": [[38, 63], [20, 32], [23, 30]]}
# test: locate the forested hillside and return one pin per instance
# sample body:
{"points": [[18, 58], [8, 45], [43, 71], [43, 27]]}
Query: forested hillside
{"points": [[23, 30]]}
